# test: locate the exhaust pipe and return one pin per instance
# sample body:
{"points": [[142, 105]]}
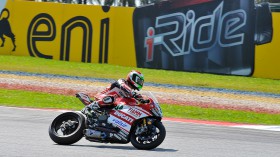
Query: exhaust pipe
{"points": [[92, 133]]}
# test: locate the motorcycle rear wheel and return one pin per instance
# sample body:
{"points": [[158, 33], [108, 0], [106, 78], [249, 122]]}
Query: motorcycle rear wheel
{"points": [[147, 145], [67, 128]]}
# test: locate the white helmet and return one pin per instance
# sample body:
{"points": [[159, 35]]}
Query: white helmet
{"points": [[135, 79]]}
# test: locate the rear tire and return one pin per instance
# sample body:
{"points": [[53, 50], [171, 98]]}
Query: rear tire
{"points": [[150, 144], [71, 134]]}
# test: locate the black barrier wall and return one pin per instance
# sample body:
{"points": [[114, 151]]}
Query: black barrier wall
{"points": [[212, 36]]}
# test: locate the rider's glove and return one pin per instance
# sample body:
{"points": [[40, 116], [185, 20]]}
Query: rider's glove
{"points": [[137, 96], [94, 105]]}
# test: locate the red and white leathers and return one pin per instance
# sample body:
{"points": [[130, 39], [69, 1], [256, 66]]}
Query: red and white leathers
{"points": [[117, 89]]}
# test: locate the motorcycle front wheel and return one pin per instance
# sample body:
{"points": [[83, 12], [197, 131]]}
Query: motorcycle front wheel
{"points": [[150, 138], [67, 128]]}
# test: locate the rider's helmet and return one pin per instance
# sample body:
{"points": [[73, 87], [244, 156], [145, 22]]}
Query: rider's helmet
{"points": [[135, 79]]}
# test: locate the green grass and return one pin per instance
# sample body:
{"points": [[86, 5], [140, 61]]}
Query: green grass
{"points": [[38, 65], [20, 98], [220, 115], [44, 100]]}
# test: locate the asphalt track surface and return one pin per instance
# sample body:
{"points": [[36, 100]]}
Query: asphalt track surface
{"points": [[24, 133]]}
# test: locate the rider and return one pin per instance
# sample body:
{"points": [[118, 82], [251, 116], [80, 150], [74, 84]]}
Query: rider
{"points": [[120, 88]]}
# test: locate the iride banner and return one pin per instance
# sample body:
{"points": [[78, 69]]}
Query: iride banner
{"points": [[212, 36]]}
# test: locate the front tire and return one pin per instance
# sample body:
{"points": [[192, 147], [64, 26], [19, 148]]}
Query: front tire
{"points": [[67, 128], [158, 134]]}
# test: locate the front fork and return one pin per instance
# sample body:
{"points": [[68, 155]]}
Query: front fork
{"points": [[148, 122], [146, 126]]}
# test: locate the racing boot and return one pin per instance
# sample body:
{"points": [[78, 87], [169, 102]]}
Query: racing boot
{"points": [[94, 106]]}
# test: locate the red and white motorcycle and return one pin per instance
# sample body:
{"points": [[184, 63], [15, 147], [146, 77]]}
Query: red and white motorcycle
{"points": [[127, 122]]}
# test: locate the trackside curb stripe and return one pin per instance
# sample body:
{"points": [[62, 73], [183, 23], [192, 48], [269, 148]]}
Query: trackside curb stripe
{"points": [[227, 124], [201, 122]]}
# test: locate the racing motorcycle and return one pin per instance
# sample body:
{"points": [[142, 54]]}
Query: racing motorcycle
{"points": [[127, 121]]}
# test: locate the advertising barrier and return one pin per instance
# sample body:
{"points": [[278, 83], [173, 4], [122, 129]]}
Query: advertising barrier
{"points": [[209, 36], [5, 29], [267, 57], [70, 32], [212, 36]]}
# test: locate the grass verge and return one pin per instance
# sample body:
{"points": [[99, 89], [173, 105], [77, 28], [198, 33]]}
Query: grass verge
{"points": [[20, 98], [39, 65]]}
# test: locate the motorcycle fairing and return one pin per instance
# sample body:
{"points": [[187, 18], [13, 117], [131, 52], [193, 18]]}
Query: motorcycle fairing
{"points": [[123, 117]]}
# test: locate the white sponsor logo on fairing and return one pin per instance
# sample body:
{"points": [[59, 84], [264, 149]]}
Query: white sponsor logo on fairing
{"points": [[123, 116], [135, 112], [118, 122], [107, 100]]}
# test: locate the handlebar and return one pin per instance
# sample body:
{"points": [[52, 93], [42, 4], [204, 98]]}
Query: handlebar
{"points": [[145, 101]]}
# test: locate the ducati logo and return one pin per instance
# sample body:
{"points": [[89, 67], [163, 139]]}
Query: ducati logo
{"points": [[123, 116]]}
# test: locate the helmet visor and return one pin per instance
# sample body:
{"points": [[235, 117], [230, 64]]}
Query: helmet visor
{"points": [[139, 81]]}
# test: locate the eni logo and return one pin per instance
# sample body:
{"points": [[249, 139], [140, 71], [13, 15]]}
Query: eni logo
{"points": [[5, 28]]}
